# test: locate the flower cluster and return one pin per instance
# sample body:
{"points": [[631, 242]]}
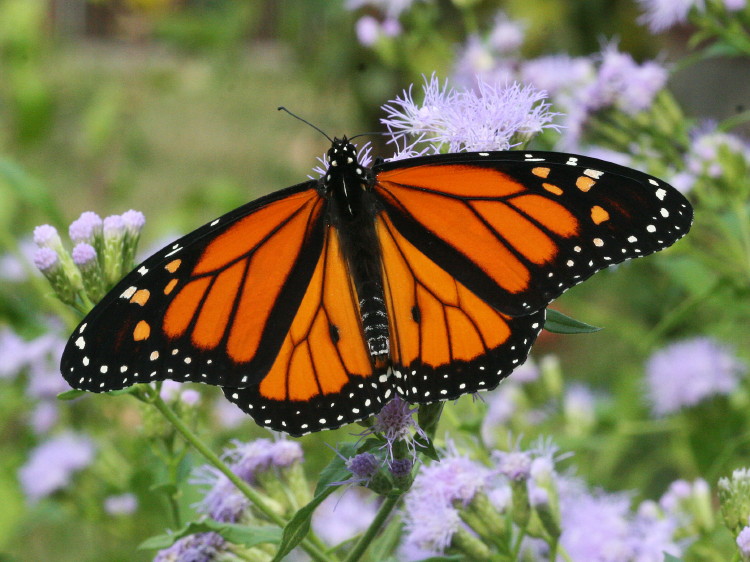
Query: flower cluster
{"points": [[460, 506], [487, 117], [687, 372], [52, 465], [104, 251], [663, 14]]}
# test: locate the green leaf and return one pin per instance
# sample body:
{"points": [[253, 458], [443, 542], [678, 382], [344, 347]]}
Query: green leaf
{"points": [[299, 526], [238, 534], [71, 394], [428, 449], [558, 323], [669, 558]]}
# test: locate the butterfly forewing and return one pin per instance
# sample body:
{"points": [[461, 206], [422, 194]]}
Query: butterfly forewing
{"points": [[519, 229], [212, 307], [323, 376]]}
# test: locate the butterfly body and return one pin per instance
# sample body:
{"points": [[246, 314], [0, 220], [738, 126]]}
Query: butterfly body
{"points": [[425, 277]]}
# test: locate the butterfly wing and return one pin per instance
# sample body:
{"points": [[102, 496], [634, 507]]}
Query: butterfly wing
{"points": [[323, 376], [445, 340], [519, 228], [213, 307]]}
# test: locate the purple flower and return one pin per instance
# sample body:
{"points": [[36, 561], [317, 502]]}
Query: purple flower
{"points": [[123, 504], [401, 468], [601, 527], [368, 30], [228, 415], [395, 422], [514, 465], [623, 83], [506, 35], [363, 467], [343, 516], [489, 117], [133, 222], [430, 523], [707, 148], [743, 541], [735, 5], [201, 547], [83, 254], [222, 502], [285, 453], [46, 260], [43, 360], [44, 416], [454, 478], [45, 236], [114, 226], [501, 405], [558, 74], [52, 465], [13, 353], [86, 228], [247, 459], [663, 14], [687, 372]]}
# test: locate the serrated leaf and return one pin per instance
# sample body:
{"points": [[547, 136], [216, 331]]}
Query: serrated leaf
{"points": [[428, 449], [71, 394], [238, 534], [558, 323], [297, 529]]}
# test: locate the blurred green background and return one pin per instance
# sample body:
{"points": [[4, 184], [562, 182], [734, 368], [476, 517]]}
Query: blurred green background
{"points": [[169, 107]]}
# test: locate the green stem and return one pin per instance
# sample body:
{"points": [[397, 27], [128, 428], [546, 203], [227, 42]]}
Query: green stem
{"points": [[255, 498], [365, 540]]}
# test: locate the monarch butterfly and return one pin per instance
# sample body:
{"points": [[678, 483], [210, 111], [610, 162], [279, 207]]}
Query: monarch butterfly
{"points": [[425, 277]]}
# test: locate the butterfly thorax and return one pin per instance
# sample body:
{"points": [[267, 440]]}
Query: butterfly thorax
{"points": [[352, 211]]}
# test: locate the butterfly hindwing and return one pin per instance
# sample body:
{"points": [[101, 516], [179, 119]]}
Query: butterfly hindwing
{"points": [[323, 376], [520, 228], [212, 307], [445, 341]]}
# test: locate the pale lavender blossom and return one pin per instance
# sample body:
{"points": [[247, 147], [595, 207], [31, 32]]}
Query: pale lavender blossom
{"points": [[122, 504], [370, 30], [52, 464], [735, 5], [488, 117], [44, 416], [501, 405], [13, 267], [12, 353], [201, 547], [506, 35], [86, 228], [430, 523], [190, 397], [367, 29], [133, 221], [558, 74], [623, 83], [222, 501], [743, 541], [707, 147], [43, 360], [430, 517], [83, 254], [601, 527], [46, 259], [342, 516], [683, 181], [113, 227], [663, 14], [514, 465], [46, 236], [248, 459], [687, 372]]}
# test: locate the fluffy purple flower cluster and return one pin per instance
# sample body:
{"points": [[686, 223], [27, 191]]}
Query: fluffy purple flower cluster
{"points": [[687, 372], [594, 525], [487, 116], [663, 14], [223, 502], [52, 465]]}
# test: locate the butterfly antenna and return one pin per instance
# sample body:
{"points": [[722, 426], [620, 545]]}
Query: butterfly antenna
{"points": [[282, 108]]}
